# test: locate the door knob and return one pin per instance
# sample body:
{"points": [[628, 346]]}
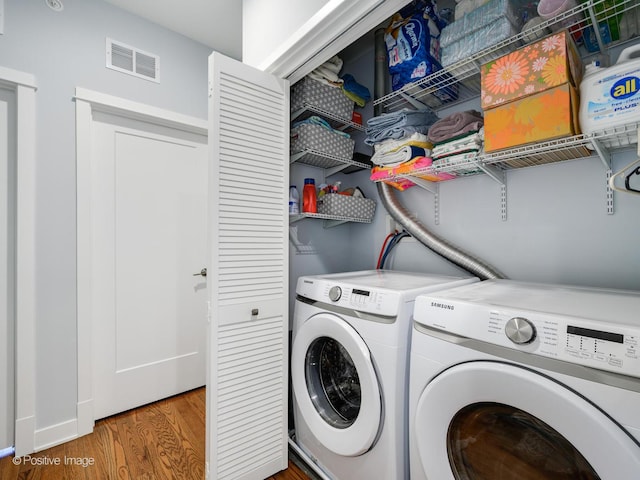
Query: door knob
{"points": [[202, 272]]}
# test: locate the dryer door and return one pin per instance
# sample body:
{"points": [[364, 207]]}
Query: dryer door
{"points": [[335, 385], [489, 420]]}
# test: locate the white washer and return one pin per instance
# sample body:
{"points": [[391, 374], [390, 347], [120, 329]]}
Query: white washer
{"points": [[349, 369], [517, 380]]}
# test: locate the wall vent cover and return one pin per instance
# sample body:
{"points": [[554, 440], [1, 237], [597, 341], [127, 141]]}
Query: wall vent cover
{"points": [[127, 59]]}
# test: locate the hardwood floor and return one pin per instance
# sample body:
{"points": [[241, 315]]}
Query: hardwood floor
{"points": [[161, 441]]}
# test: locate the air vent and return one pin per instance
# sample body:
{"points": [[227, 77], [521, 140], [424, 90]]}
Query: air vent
{"points": [[126, 59]]}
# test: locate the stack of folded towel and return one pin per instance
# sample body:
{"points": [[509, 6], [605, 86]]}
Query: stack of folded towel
{"points": [[327, 73], [457, 140], [401, 146], [397, 125], [392, 152], [321, 122]]}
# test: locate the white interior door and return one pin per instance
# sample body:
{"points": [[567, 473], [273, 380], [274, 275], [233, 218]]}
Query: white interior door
{"points": [[7, 267], [149, 187], [248, 281]]}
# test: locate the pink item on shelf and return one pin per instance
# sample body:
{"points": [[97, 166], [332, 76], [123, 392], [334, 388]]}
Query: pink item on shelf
{"points": [[389, 174]]}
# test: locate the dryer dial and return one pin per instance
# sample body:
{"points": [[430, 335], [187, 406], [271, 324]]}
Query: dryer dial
{"points": [[520, 330], [335, 293]]}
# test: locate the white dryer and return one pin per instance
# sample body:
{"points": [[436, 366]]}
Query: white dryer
{"points": [[349, 369], [514, 380]]}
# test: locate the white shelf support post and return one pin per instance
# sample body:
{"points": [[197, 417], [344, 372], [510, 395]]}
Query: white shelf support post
{"points": [[500, 177], [609, 193], [432, 187], [605, 157], [503, 201]]}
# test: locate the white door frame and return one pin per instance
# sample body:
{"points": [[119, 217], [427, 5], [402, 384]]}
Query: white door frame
{"points": [[337, 25], [24, 86], [88, 102]]}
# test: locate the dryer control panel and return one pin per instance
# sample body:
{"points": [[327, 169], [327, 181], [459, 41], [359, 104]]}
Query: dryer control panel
{"points": [[606, 347], [573, 325]]}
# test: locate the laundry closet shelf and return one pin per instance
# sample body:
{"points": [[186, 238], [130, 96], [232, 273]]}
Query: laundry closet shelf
{"points": [[331, 163], [466, 73], [329, 220], [578, 146], [336, 122]]}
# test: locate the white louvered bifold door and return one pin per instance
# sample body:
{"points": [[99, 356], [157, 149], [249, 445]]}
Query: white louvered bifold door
{"points": [[247, 272]]}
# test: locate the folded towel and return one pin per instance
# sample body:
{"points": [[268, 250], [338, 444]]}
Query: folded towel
{"points": [[454, 125], [395, 133], [400, 155], [356, 92], [464, 163], [316, 120], [328, 72], [361, 102], [402, 123], [417, 139], [383, 173], [469, 143], [401, 118], [393, 175]]}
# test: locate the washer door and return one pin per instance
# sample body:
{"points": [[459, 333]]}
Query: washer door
{"points": [[495, 421], [335, 384]]}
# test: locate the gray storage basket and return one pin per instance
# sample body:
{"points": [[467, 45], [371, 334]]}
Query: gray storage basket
{"points": [[307, 136], [347, 206], [309, 92]]}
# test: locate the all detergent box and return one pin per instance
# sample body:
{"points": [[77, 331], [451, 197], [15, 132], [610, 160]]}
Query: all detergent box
{"points": [[543, 116], [545, 64]]}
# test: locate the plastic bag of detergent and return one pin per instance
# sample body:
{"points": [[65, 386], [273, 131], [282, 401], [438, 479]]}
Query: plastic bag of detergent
{"points": [[413, 47]]}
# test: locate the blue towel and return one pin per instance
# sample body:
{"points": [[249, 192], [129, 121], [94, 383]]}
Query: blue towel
{"points": [[350, 85]]}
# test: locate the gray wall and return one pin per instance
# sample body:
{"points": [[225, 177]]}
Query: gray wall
{"points": [[557, 230], [64, 50]]}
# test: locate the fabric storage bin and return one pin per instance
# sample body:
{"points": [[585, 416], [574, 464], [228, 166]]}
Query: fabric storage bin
{"points": [[307, 136], [346, 206], [309, 92]]}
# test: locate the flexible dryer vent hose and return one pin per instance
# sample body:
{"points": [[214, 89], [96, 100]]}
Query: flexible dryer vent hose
{"points": [[432, 241]]}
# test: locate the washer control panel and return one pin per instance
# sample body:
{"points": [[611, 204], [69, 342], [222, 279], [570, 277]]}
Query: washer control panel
{"points": [[364, 300], [603, 345], [371, 300]]}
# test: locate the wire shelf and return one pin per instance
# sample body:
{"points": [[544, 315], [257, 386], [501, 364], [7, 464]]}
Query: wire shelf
{"points": [[319, 159], [336, 122], [465, 74], [558, 150], [329, 220]]}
